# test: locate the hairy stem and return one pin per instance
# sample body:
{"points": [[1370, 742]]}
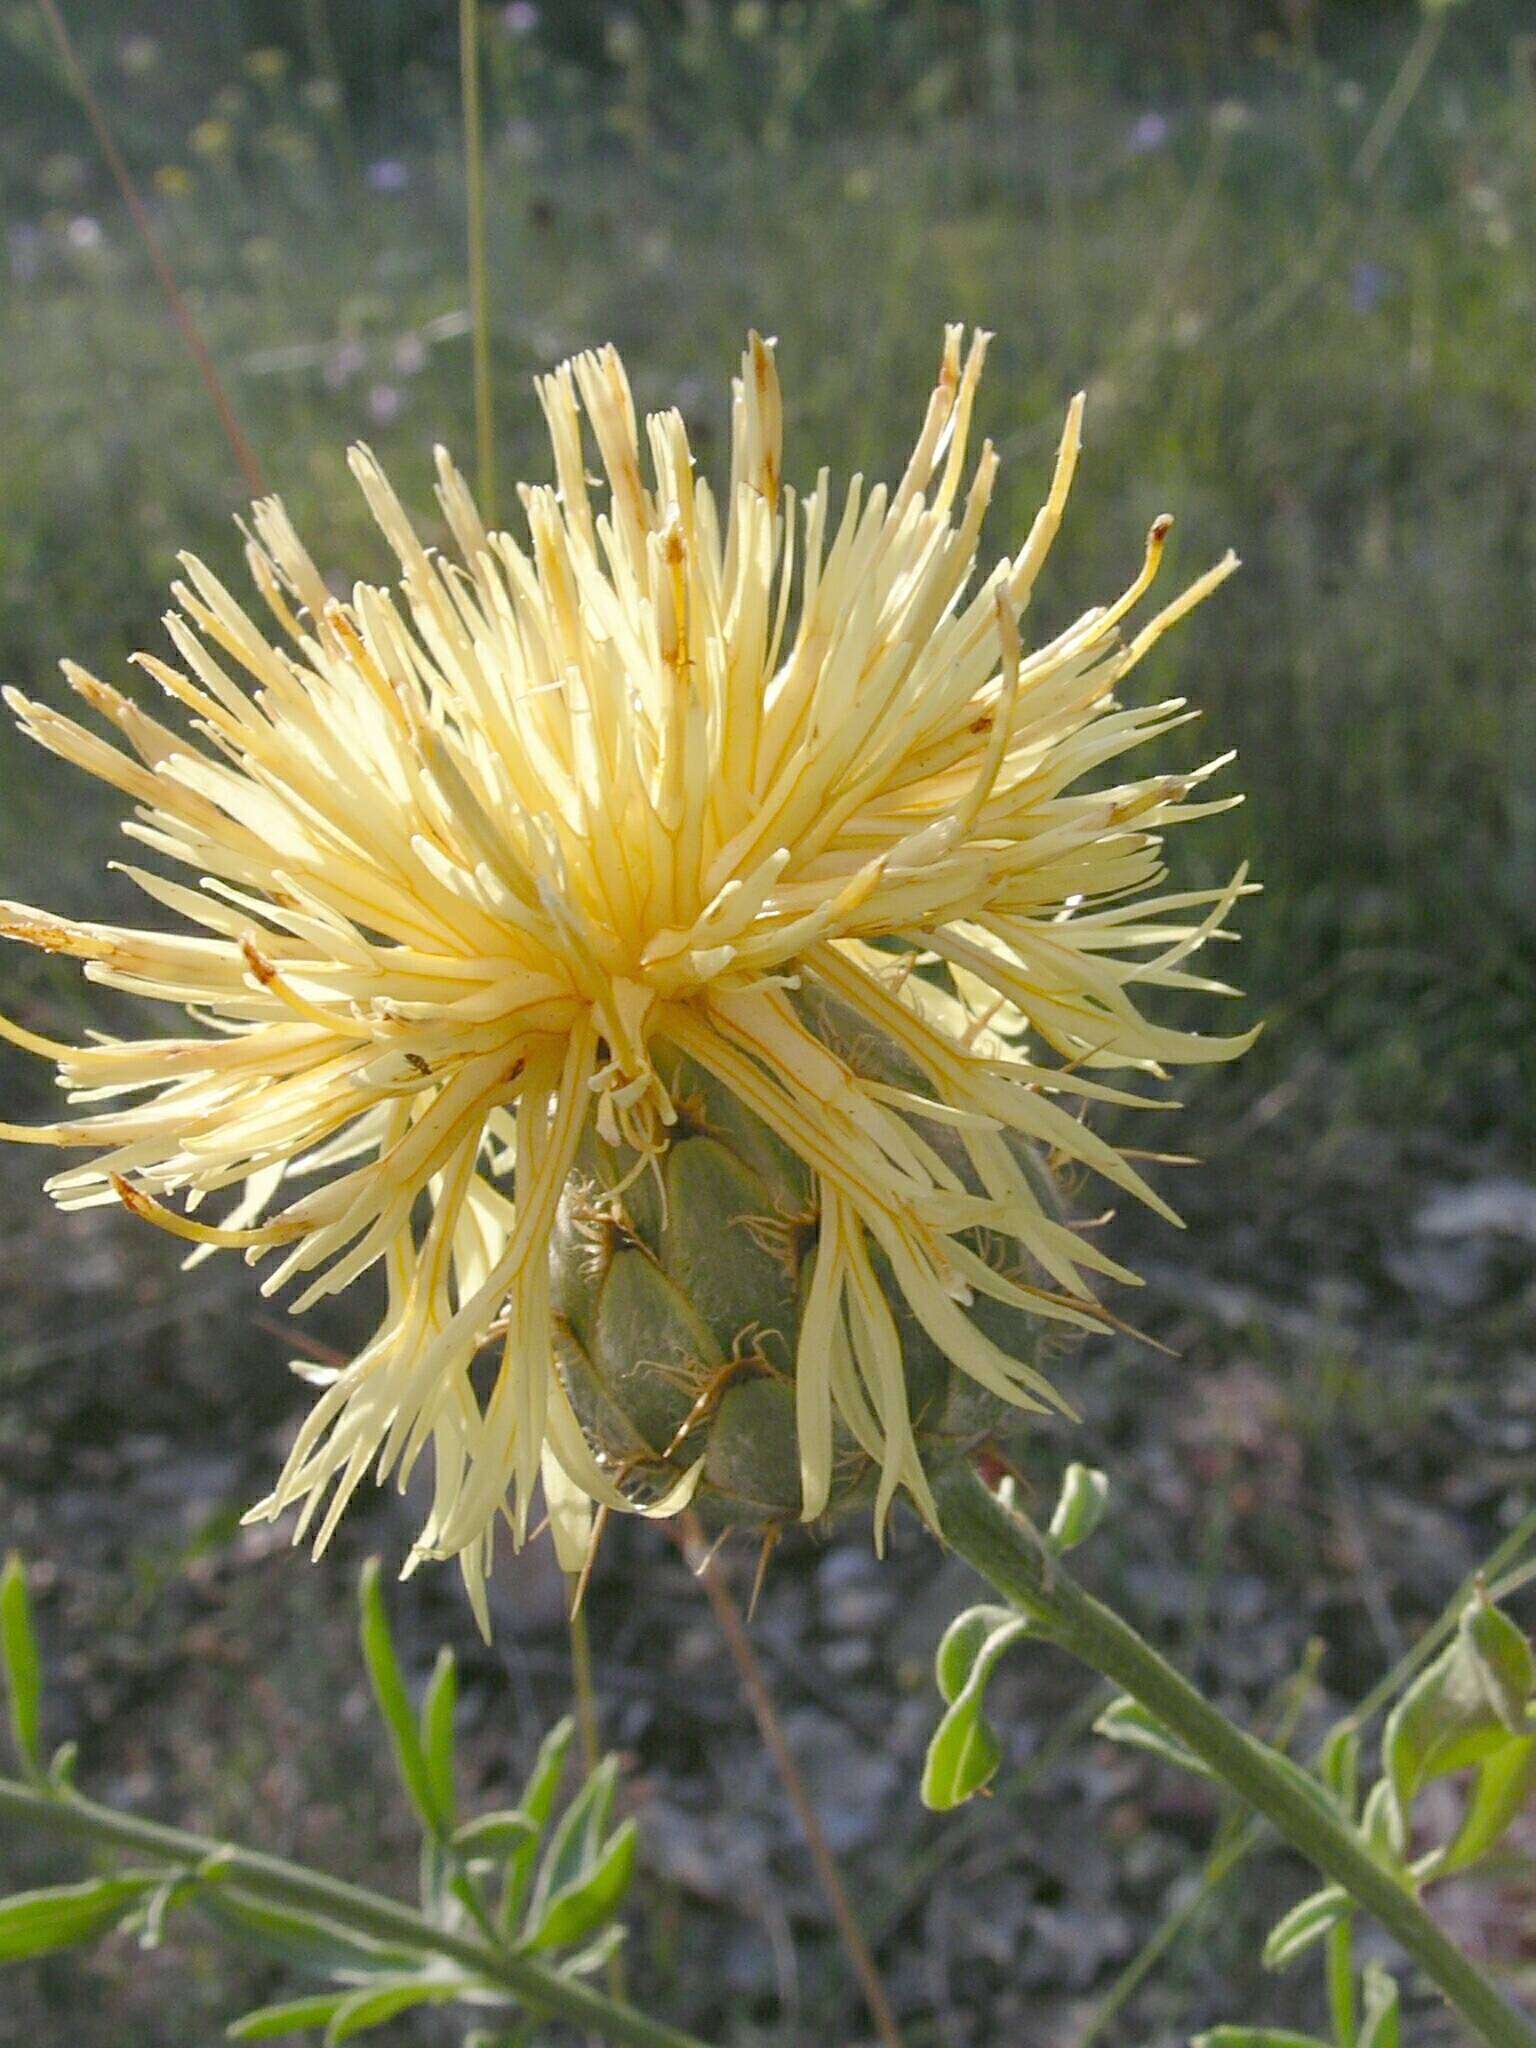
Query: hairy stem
{"points": [[1230, 1852], [544, 1990], [1013, 1560]]}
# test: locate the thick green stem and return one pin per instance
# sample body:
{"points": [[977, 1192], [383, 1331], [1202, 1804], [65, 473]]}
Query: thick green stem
{"points": [[542, 1989], [1012, 1558]]}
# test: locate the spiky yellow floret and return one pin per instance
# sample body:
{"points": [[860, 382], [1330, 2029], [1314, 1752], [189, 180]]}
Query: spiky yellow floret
{"points": [[469, 853]]}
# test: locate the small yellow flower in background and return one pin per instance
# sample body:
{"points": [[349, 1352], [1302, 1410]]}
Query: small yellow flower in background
{"points": [[480, 859], [173, 181], [211, 138], [268, 65]]}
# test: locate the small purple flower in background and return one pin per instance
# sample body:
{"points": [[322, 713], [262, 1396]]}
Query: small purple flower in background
{"points": [[521, 18], [343, 364], [409, 354], [1150, 131], [388, 174], [384, 403], [1369, 284]]}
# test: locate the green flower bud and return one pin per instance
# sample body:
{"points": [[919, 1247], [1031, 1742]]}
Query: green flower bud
{"points": [[679, 1284]]}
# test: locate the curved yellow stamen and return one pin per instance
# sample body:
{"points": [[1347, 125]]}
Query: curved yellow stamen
{"points": [[33, 1041], [148, 1210]]}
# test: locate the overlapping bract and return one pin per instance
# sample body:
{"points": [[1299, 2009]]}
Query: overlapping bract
{"points": [[472, 851]]}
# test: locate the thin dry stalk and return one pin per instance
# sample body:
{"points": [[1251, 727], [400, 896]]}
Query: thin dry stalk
{"points": [[479, 288], [181, 313], [690, 1539]]}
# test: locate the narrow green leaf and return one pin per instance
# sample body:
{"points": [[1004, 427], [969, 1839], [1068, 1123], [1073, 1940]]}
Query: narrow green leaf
{"points": [[538, 1802], [437, 1733], [964, 1752], [1381, 1823], [375, 2003], [963, 1756], [1128, 1721], [1256, 2037], [1080, 1508], [1339, 1765], [581, 1907], [490, 1833], [305, 1939], [277, 2022], [166, 1896], [436, 1870], [586, 1962], [23, 1666], [394, 1703], [1380, 2025], [576, 1843], [1305, 1924], [36, 1923], [962, 1643]]}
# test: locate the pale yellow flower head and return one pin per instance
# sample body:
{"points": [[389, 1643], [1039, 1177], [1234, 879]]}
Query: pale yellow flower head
{"points": [[466, 853]]}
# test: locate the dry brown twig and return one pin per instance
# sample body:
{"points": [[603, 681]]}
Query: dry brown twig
{"points": [[688, 1534], [180, 312]]}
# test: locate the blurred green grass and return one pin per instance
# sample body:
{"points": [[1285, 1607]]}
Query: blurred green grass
{"points": [[1328, 370]]}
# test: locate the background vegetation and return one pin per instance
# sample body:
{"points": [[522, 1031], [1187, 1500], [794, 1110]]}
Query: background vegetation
{"points": [[1291, 252]]}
